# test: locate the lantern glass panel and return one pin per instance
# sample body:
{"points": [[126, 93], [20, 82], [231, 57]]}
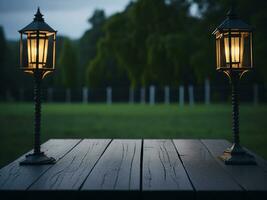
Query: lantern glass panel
{"points": [[232, 43], [37, 51], [234, 50], [247, 50], [220, 51]]}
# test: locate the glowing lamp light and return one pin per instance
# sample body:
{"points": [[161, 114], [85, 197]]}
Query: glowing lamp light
{"points": [[37, 46], [233, 45], [32, 50]]}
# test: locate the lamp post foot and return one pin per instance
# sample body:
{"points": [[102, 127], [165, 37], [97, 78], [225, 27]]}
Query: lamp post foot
{"points": [[236, 155], [38, 159]]}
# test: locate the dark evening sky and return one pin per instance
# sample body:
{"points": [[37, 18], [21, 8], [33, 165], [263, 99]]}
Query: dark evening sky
{"points": [[69, 17]]}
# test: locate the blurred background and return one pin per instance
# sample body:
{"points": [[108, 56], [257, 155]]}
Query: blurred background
{"points": [[130, 69]]}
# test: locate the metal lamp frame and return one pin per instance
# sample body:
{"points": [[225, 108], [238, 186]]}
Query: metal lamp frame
{"points": [[38, 25], [236, 154]]}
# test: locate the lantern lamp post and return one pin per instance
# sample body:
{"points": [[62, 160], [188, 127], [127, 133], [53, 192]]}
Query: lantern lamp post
{"points": [[234, 57], [37, 57]]}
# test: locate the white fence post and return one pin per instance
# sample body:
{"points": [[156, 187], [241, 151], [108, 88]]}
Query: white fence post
{"points": [[68, 95], [50, 95], [181, 95], [152, 95], [255, 94], [191, 95], [143, 95], [207, 92], [109, 95], [85, 95], [167, 95], [131, 95]]}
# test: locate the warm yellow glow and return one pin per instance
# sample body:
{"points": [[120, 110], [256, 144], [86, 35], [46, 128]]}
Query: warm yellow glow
{"points": [[235, 51], [218, 53], [32, 51]]}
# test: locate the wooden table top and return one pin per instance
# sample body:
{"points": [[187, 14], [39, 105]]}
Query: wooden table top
{"points": [[135, 168]]}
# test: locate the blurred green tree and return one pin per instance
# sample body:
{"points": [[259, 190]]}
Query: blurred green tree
{"points": [[150, 42], [88, 43], [103, 70], [68, 65]]}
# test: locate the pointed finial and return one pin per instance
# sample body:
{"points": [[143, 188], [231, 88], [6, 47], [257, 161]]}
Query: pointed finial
{"points": [[38, 16]]}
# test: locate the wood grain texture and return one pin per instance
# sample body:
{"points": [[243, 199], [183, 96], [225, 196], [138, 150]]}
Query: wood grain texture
{"points": [[118, 168], [134, 169], [16, 177], [251, 178], [204, 172], [71, 171], [162, 168]]}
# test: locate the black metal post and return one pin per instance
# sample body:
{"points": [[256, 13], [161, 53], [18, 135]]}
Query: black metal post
{"points": [[236, 155], [37, 157], [37, 120], [235, 108]]}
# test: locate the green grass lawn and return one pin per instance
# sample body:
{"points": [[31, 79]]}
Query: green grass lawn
{"points": [[127, 121]]}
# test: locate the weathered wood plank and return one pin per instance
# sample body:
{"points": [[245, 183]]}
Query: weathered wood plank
{"points": [[16, 177], [162, 168], [113, 170], [118, 168], [204, 172], [71, 171], [252, 178]]}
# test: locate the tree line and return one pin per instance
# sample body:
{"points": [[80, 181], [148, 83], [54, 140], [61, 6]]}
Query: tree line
{"points": [[157, 42]]}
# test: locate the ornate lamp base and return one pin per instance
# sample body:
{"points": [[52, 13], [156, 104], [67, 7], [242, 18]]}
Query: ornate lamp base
{"points": [[236, 155], [38, 159]]}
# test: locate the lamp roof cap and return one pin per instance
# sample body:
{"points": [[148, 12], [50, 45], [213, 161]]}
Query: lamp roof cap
{"points": [[232, 22], [38, 24]]}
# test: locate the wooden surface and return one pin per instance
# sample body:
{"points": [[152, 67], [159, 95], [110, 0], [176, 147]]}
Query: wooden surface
{"points": [[118, 168], [16, 177], [162, 168], [134, 169]]}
